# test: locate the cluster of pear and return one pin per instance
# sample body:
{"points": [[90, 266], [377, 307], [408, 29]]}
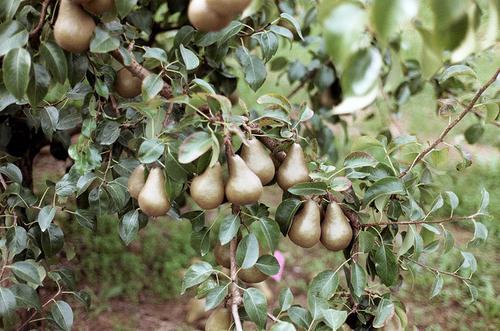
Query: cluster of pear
{"points": [[214, 15], [74, 25], [334, 232], [150, 193]]}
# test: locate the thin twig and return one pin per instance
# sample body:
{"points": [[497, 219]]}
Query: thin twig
{"points": [[235, 293], [30, 319], [34, 33], [2, 181], [450, 126], [444, 220], [437, 270]]}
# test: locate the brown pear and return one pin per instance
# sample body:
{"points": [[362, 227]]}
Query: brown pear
{"points": [[222, 256], [126, 84], [74, 27], [205, 19], [243, 186], [219, 320], [207, 189], [258, 160], [224, 6], [252, 275], [336, 232], [153, 199], [136, 181], [98, 7], [293, 170], [195, 310], [306, 226]]}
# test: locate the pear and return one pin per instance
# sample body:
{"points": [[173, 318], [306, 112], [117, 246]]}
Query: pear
{"points": [[74, 28], [98, 7], [258, 160], [336, 232], [243, 186], [252, 275], [195, 310], [222, 256], [219, 320], [207, 189], [136, 181], [224, 6], [306, 227], [205, 19], [153, 199], [126, 84], [293, 170]]}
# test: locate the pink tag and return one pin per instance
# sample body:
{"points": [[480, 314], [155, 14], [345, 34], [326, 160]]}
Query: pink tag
{"points": [[281, 261]]}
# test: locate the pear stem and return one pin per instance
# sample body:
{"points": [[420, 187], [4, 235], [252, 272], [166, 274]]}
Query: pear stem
{"points": [[36, 31], [450, 126]]}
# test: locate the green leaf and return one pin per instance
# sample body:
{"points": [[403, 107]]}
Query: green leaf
{"points": [[17, 240], [480, 235], [469, 262], [362, 72], [129, 226], [7, 301], [267, 229], [196, 274], [215, 296], [485, 201], [254, 69], [26, 297], [194, 146], [108, 132], [300, 316], [324, 285], [151, 86], [27, 271], [316, 306], [52, 240], [124, 7], [268, 265], [334, 318], [385, 310], [247, 252], [228, 228], [390, 16], [16, 70], [310, 188], [268, 44], [49, 116], [62, 315], [386, 265], [285, 213], [103, 42], [437, 286], [474, 133], [255, 304], [55, 61], [456, 70], [359, 160], [189, 58], [384, 186], [204, 85], [150, 150], [12, 35], [358, 280], [12, 172], [8, 9], [366, 241], [285, 299], [294, 22], [283, 326], [45, 217], [38, 85], [408, 241]]}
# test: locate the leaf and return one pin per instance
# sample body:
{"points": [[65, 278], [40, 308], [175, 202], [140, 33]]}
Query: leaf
{"points": [[194, 146], [38, 85], [294, 22], [358, 280], [324, 285], [474, 133], [391, 16], [285, 213], [151, 86], [285, 299], [196, 274], [108, 132], [52, 240], [103, 42], [16, 69], [27, 271], [204, 85], [150, 150], [13, 172], [26, 297], [485, 201], [268, 264], [12, 35], [316, 306], [268, 44], [267, 229], [215, 296], [8, 9], [359, 160], [124, 7], [384, 186], [334, 318], [7, 301], [228, 228], [386, 265], [300, 316], [385, 310], [62, 315], [189, 58], [129, 226], [437, 286], [408, 241], [310, 188], [55, 61], [283, 326], [247, 252], [49, 116], [438, 203], [255, 304], [17, 240], [480, 235], [362, 72], [456, 70], [254, 69], [45, 217], [366, 241], [469, 262]]}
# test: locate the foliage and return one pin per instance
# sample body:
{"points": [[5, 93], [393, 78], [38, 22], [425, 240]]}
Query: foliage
{"points": [[186, 116]]}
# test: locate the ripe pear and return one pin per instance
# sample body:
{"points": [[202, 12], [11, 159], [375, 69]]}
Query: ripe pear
{"points": [[258, 160], [336, 232], [306, 227], [153, 199], [98, 7], [136, 181], [219, 320], [207, 189], [205, 19], [252, 275], [222, 256], [74, 28], [293, 170], [126, 84], [243, 186], [224, 6]]}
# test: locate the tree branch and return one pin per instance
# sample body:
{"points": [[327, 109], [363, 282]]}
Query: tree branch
{"points": [[450, 126], [235, 293], [437, 270], [445, 220], [36, 31]]}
